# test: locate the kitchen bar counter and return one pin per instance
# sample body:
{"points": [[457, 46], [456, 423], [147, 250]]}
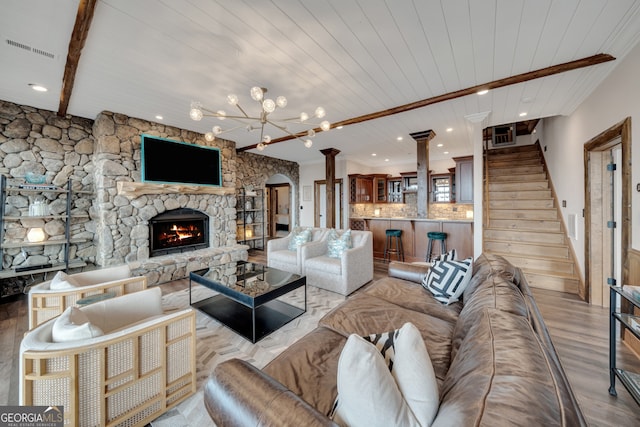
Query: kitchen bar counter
{"points": [[414, 234]]}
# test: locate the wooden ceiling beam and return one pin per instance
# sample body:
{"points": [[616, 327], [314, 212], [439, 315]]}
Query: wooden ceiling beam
{"points": [[84, 16], [519, 78]]}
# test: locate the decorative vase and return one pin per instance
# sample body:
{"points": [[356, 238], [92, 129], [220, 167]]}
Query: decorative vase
{"points": [[247, 205], [249, 219]]}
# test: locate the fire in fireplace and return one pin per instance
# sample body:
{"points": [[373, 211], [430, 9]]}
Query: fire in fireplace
{"points": [[178, 230]]}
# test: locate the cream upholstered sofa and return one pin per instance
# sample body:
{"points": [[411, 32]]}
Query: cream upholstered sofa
{"points": [[143, 365], [342, 275], [46, 303], [279, 256]]}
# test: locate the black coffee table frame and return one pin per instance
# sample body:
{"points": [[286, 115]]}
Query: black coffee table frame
{"points": [[253, 317]]}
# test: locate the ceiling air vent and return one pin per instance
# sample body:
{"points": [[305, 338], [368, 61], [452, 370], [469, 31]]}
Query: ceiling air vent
{"points": [[30, 49]]}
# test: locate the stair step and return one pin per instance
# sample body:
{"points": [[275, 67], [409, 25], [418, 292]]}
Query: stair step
{"points": [[520, 195], [532, 249], [500, 163], [508, 170], [524, 236], [554, 283], [519, 177], [514, 149], [523, 214], [525, 224], [518, 186], [528, 154], [543, 264], [522, 204]]}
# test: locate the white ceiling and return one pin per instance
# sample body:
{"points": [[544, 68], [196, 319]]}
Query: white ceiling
{"points": [[354, 57]]}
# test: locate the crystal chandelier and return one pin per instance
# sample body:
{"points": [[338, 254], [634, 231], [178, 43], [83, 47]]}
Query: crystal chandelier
{"points": [[249, 122]]}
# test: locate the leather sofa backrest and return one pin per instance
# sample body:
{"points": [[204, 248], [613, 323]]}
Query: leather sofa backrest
{"points": [[495, 292], [487, 265]]}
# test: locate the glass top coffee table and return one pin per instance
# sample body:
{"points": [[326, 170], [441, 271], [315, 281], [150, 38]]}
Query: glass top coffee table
{"points": [[245, 297]]}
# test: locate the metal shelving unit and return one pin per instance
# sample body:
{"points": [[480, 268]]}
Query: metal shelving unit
{"points": [[631, 322], [34, 190], [251, 219]]}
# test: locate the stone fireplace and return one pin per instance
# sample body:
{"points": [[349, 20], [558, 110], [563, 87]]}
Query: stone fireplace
{"points": [[124, 218], [178, 230]]}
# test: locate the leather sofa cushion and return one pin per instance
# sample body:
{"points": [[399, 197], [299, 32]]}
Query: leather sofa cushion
{"points": [[309, 367], [413, 296], [365, 315], [500, 369]]}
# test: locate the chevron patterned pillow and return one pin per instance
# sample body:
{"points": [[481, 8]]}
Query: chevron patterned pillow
{"points": [[446, 280], [448, 256]]}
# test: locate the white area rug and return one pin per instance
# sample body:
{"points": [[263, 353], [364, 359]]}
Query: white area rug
{"points": [[217, 343]]}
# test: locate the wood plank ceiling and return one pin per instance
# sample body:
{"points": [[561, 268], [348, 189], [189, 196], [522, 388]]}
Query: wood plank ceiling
{"points": [[355, 58]]}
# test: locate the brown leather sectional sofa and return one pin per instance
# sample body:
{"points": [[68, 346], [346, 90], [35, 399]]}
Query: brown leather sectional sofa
{"points": [[492, 356]]}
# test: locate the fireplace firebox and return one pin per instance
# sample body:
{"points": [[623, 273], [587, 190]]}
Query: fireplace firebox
{"points": [[178, 230]]}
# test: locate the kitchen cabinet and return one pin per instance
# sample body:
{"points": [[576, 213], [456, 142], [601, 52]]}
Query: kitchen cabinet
{"points": [[368, 188], [464, 179], [414, 235], [360, 189], [394, 190]]}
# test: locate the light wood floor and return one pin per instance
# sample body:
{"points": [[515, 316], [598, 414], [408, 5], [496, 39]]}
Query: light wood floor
{"points": [[579, 332]]}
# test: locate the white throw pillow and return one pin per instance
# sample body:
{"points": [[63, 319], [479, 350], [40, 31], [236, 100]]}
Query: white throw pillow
{"points": [[73, 325], [446, 280], [370, 395], [62, 281]]}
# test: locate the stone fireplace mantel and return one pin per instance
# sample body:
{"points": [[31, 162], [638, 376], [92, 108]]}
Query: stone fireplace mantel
{"points": [[131, 190]]}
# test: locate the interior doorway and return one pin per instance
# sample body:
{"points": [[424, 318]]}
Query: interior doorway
{"points": [[320, 204], [279, 200], [607, 211]]}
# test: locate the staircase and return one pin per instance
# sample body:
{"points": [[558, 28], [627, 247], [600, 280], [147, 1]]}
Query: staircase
{"points": [[523, 223]]}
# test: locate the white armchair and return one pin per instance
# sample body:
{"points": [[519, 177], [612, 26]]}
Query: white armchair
{"points": [[143, 365], [343, 275], [46, 303], [279, 256]]}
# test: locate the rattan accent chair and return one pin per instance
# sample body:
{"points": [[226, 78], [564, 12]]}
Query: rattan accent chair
{"points": [[143, 365], [46, 303]]}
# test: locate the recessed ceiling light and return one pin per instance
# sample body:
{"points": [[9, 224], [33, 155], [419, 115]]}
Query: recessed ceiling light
{"points": [[523, 114], [399, 138], [449, 129], [446, 152], [159, 117], [483, 92], [37, 87], [439, 145], [386, 160], [339, 127], [373, 154]]}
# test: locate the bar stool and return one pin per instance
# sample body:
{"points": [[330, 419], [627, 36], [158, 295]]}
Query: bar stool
{"points": [[389, 244], [435, 236]]}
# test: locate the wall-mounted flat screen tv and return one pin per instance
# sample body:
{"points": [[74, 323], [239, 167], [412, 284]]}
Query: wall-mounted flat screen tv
{"points": [[172, 162]]}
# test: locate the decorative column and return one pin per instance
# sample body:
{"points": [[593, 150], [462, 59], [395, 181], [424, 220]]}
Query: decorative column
{"points": [[476, 123], [422, 139], [330, 179]]}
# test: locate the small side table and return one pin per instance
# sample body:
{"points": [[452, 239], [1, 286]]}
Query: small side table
{"points": [[95, 298]]}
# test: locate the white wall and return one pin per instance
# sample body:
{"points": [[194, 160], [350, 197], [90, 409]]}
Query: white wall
{"points": [[617, 97], [310, 172]]}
